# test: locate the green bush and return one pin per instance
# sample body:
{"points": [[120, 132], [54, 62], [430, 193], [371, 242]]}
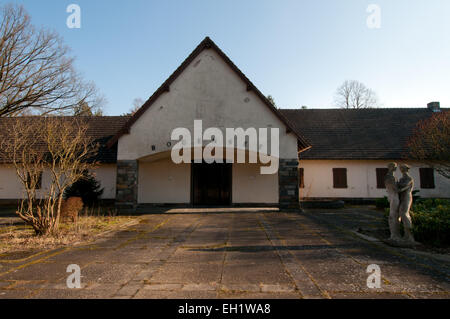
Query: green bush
{"points": [[431, 221], [88, 188], [382, 202]]}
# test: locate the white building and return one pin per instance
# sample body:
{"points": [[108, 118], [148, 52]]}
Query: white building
{"points": [[322, 153], [351, 149]]}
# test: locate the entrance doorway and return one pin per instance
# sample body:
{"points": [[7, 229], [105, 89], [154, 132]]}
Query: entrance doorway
{"points": [[211, 184]]}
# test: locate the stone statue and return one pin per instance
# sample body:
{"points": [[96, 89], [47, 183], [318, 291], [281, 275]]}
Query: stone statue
{"points": [[394, 201], [400, 200], [405, 187]]}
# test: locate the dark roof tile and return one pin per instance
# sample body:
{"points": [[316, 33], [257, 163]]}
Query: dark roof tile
{"points": [[101, 128], [332, 133], [356, 133]]}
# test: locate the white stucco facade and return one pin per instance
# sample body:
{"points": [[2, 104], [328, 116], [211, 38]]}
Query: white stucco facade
{"points": [[249, 186], [11, 187], [163, 182], [361, 179], [208, 90], [106, 175]]}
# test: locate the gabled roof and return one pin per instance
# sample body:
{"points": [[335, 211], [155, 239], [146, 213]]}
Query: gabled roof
{"points": [[208, 44], [357, 133], [100, 128], [335, 134]]}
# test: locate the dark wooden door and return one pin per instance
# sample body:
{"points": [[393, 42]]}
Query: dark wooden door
{"points": [[211, 184]]}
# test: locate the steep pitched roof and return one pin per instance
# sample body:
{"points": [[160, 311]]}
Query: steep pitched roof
{"points": [[101, 129], [208, 44], [357, 133]]}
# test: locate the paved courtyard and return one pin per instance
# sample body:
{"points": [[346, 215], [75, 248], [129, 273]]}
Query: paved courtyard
{"points": [[233, 254]]}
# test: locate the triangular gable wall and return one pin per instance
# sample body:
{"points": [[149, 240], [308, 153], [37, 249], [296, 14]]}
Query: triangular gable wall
{"points": [[206, 86]]}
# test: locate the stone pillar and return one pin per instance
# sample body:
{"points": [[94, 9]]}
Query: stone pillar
{"points": [[288, 184], [127, 185]]}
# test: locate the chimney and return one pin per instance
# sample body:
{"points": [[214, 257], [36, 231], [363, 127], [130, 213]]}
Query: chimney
{"points": [[434, 106]]}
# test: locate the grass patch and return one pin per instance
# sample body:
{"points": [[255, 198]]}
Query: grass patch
{"points": [[16, 236]]}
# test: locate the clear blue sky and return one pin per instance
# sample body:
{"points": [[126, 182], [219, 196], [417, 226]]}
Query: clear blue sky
{"points": [[297, 51]]}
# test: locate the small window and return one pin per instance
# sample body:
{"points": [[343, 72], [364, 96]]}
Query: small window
{"points": [[339, 177], [38, 181], [426, 177], [381, 173], [301, 180]]}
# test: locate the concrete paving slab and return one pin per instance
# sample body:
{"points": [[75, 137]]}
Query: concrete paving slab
{"points": [[260, 295], [372, 295], [163, 287], [129, 290], [73, 294], [197, 255], [248, 254], [188, 273], [255, 273], [200, 287], [110, 273], [38, 271], [428, 295], [14, 294], [154, 294]]}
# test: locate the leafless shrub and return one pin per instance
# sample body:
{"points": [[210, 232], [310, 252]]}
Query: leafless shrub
{"points": [[57, 145], [70, 208]]}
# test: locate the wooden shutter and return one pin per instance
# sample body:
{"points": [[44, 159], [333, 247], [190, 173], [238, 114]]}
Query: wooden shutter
{"points": [[339, 177], [426, 177], [301, 180], [381, 173]]}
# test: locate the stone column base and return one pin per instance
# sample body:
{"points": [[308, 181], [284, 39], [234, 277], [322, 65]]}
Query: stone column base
{"points": [[288, 184], [127, 185]]}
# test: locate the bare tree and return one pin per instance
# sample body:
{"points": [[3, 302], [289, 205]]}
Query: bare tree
{"points": [[36, 72], [58, 146], [83, 109], [430, 143], [137, 103], [355, 95]]}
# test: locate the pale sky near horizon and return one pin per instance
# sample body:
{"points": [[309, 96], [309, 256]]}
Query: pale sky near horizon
{"points": [[297, 51]]}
